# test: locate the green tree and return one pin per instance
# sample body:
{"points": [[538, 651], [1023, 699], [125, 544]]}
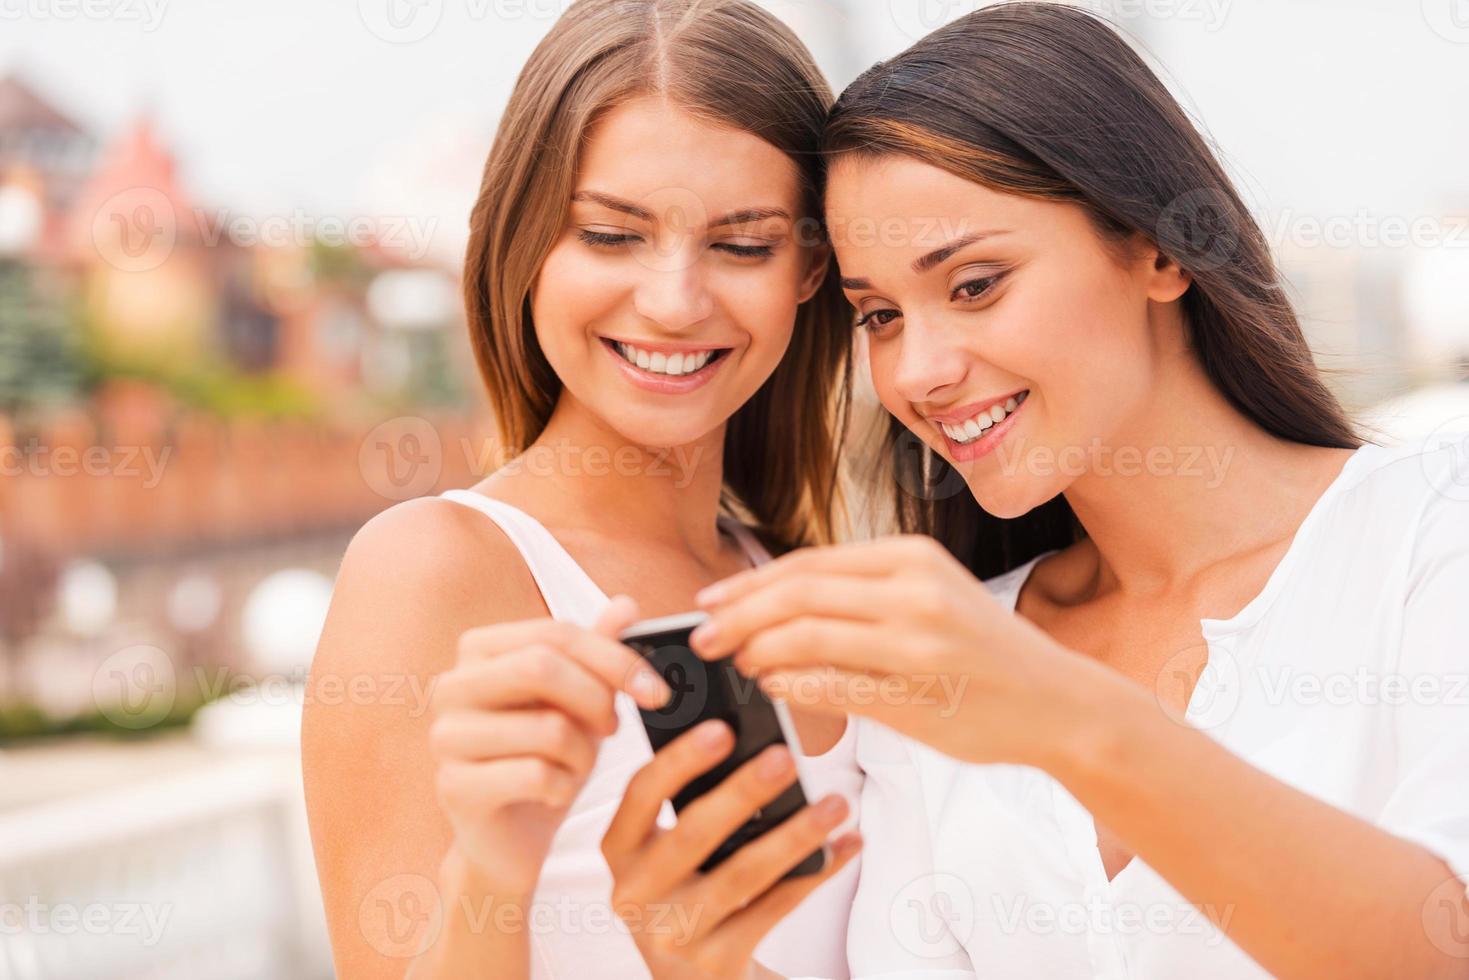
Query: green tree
{"points": [[41, 357]]}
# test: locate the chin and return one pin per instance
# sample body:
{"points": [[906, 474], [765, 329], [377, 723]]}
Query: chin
{"points": [[1006, 502], [661, 431]]}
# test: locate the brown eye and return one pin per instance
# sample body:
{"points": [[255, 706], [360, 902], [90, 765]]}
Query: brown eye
{"points": [[878, 318], [975, 288]]}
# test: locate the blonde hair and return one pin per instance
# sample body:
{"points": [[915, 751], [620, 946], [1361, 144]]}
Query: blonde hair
{"points": [[723, 60]]}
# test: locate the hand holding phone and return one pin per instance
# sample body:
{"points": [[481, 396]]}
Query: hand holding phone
{"points": [[690, 923], [705, 690]]}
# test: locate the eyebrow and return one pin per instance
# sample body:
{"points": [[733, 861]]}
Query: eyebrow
{"points": [[614, 203], [749, 214], [742, 216], [942, 254], [928, 261]]}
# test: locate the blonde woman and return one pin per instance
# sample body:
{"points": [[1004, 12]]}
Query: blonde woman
{"points": [[663, 340]]}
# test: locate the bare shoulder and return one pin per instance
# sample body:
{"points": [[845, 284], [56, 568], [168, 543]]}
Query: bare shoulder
{"points": [[414, 579], [438, 555]]}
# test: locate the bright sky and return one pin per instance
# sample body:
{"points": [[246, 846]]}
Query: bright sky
{"points": [[388, 106]]}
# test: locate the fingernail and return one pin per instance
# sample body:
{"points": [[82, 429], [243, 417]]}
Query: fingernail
{"points": [[704, 634], [846, 844], [650, 688], [711, 595], [775, 762], [831, 809], [713, 733]]}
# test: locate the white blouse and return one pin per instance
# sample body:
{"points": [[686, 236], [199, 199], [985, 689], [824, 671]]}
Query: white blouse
{"points": [[1346, 677]]}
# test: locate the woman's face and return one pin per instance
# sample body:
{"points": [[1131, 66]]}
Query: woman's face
{"points": [[1004, 331], [671, 294]]}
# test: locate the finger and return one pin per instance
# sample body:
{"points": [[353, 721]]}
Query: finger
{"points": [[814, 641], [831, 691], [693, 753], [529, 677], [742, 931], [881, 556], [477, 736], [760, 864], [674, 857], [620, 613], [487, 786], [618, 666], [821, 594]]}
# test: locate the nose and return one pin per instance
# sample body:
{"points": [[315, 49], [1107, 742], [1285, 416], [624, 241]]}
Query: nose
{"points": [[675, 295], [930, 362]]}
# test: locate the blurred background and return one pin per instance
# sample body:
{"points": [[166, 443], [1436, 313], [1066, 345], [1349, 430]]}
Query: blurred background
{"points": [[230, 332]]}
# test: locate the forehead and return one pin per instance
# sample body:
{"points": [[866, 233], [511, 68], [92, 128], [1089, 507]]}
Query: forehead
{"points": [[892, 189], [651, 148], [907, 207]]}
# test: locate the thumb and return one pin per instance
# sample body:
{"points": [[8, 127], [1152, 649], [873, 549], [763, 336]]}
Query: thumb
{"points": [[619, 614]]}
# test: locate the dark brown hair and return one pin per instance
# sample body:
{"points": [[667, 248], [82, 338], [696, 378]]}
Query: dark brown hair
{"points": [[1048, 101], [727, 61]]}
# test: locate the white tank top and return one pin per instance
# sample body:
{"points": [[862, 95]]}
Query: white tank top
{"points": [[573, 931]]}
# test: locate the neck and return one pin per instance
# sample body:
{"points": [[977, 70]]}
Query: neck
{"points": [[580, 472], [1190, 481]]}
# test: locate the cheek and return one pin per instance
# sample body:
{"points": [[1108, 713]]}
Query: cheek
{"points": [[571, 291], [761, 303], [1083, 340], [882, 363]]}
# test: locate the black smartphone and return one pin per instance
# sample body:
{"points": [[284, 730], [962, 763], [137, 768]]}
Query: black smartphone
{"points": [[704, 689]]}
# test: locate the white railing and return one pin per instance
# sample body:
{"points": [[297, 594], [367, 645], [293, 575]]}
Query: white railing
{"points": [[203, 875]]}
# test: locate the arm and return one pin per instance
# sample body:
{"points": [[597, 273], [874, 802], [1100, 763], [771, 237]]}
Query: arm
{"points": [[382, 843], [1308, 888], [432, 814]]}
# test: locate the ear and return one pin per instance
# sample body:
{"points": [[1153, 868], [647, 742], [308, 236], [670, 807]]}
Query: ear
{"points": [[818, 258], [1166, 279]]}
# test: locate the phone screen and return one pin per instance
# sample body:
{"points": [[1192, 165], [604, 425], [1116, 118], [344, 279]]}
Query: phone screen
{"points": [[714, 689]]}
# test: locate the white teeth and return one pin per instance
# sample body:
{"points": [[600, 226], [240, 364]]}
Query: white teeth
{"points": [[672, 365], [979, 424]]}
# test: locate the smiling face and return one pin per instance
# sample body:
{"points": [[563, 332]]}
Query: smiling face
{"points": [[672, 293], [1002, 329]]}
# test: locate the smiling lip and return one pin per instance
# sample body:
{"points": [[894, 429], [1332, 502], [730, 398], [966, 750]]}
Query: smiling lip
{"points": [[964, 413], [989, 439], [667, 348], [666, 384]]}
